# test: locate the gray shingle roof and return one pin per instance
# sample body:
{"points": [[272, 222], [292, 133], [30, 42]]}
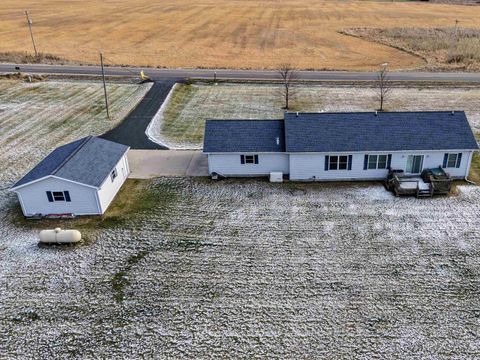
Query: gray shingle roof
{"points": [[88, 161], [387, 131], [244, 136]]}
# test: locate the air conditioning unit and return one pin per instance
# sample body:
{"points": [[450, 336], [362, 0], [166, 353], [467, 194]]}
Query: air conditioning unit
{"points": [[276, 177]]}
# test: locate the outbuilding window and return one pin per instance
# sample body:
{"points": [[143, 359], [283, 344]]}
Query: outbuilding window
{"points": [[452, 160], [249, 159], [113, 174], [374, 162], [56, 196], [338, 162]]}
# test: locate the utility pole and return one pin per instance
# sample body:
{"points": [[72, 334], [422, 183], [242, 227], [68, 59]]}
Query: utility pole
{"points": [[104, 86], [31, 33]]}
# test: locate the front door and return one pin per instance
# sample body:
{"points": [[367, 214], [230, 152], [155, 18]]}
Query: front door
{"points": [[414, 164]]}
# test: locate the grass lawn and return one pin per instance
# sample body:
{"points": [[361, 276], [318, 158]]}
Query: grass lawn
{"points": [[242, 268], [37, 117], [183, 121]]}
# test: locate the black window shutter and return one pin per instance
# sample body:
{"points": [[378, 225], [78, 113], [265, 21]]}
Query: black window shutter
{"points": [[256, 159], [49, 196], [389, 161], [365, 162], [350, 157], [326, 162], [445, 159], [459, 159], [242, 159], [67, 196]]}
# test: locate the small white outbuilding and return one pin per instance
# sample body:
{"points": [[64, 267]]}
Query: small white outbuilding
{"points": [[81, 178]]}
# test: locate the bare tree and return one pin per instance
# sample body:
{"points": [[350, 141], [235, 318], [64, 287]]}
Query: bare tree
{"points": [[383, 85], [288, 76]]}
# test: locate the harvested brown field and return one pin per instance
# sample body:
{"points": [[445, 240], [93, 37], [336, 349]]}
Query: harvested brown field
{"points": [[442, 48], [222, 33]]}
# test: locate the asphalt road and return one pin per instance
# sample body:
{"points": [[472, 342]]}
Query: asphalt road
{"points": [[159, 74]]}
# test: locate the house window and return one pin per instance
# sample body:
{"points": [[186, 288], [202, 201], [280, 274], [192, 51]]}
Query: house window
{"points": [[374, 162], [57, 196], [113, 174], [249, 159], [338, 162], [452, 160]]}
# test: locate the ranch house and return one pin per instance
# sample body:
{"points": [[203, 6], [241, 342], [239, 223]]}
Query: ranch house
{"points": [[341, 146], [80, 178]]}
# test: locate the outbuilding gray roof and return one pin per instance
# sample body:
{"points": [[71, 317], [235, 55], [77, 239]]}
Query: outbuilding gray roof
{"points": [[382, 131], [87, 161], [244, 136]]}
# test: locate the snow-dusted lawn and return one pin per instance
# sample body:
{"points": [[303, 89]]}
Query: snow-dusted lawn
{"points": [[37, 117], [244, 268], [182, 123], [237, 268]]}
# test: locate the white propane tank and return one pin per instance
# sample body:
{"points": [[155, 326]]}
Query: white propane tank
{"points": [[59, 236]]}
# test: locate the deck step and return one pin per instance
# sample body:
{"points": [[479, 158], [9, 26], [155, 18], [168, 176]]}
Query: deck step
{"points": [[424, 193]]}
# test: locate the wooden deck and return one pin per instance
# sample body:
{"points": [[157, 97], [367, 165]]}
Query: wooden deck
{"points": [[431, 182]]}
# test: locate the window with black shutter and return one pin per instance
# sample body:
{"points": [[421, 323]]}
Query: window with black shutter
{"points": [[58, 196], [452, 160], [375, 162], [338, 162], [249, 159]]}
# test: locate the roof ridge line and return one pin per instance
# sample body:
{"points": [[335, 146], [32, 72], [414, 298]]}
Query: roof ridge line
{"points": [[81, 145]]}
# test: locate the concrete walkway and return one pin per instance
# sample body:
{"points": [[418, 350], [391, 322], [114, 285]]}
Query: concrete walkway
{"points": [[147, 164]]}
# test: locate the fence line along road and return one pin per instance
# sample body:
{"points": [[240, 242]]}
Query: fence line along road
{"points": [[157, 74]]}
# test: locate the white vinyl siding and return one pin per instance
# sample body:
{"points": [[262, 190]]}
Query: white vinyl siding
{"points": [[35, 201], [84, 200], [311, 166], [230, 164], [110, 187]]}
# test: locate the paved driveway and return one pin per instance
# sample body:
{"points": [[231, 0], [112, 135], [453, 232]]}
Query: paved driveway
{"points": [[147, 164], [131, 131]]}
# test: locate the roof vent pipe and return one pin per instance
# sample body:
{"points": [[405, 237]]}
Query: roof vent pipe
{"points": [[376, 113], [453, 112], [278, 141], [297, 113]]}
